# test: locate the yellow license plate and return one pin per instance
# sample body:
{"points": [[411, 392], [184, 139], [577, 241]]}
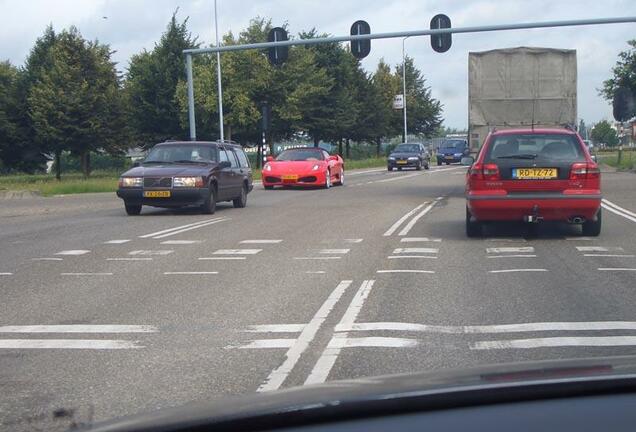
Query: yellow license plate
{"points": [[290, 177], [401, 162], [449, 157], [534, 173], [157, 194]]}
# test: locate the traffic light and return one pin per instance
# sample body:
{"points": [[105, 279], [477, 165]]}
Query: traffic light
{"points": [[277, 55], [441, 42], [362, 47]]}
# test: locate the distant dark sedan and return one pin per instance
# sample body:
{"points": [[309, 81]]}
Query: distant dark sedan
{"points": [[411, 155], [192, 173]]}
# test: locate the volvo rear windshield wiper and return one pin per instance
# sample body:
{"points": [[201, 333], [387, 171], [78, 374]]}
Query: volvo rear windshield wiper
{"points": [[519, 156]]}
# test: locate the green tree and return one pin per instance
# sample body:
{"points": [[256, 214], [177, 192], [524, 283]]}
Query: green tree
{"points": [[423, 111], [8, 123], [603, 132], [624, 73], [74, 105], [151, 83], [385, 86]]}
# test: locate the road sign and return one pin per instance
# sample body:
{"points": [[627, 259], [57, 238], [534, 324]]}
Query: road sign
{"points": [[277, 55], [441, 42], [360, 48], [398, 102]]}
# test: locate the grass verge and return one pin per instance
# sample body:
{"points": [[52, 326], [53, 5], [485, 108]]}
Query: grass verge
{"points": [[365, 163], [628, 160]]}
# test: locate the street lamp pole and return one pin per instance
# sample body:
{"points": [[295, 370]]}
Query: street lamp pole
{"points": [[405, 137], [218, 75]]}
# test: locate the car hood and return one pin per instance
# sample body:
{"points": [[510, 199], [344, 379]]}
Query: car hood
{"points": [[294, 166], [167, 170], [403, 154], [450, 150], [394, 393]]}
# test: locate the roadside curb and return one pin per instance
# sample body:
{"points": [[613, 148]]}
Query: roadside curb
{"points": [[18, 194]]}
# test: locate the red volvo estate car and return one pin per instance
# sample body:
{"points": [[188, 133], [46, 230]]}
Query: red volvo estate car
{"points": [[533, 175]]}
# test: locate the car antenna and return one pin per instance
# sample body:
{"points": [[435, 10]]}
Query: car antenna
{"points": [[534, 102]]}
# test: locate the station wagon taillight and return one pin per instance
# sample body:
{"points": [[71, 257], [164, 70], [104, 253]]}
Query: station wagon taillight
{"points": [[584, 171], [488, 171]]}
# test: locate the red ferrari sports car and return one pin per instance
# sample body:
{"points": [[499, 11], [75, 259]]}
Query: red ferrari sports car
{"points": [[304, 166]]}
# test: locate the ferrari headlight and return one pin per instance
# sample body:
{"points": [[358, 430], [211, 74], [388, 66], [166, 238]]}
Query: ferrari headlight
{"points": [[315, 167], [131, 181], [267, 167], [187, 182]]}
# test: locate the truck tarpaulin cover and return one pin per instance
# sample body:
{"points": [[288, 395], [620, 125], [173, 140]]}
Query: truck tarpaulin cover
{"points": [[519, 87]]}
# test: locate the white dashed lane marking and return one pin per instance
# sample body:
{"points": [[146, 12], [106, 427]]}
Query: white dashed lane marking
{"points": [[555, 342], [415, 250], [597, 249], [130, 259], [276, 328], [334, 251], [237, 251], [318, 258], [521, 270], [512, 256], [47, 259], [405, 271], [499, 250], [412, 257], [5, 274], [183, 228], [98, 344], [616, 269], [232, 258], [150, 252], [191, 273], [262, 241], [73, 252], [267, 344], [413, 221], [609, 255], [122, 241], [419, 239], [78, 328], [180, 242]]}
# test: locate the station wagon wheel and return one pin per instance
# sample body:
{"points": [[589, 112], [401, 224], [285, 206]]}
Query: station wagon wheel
{"points": [[209, 205], [132, 209], [241, 201]]}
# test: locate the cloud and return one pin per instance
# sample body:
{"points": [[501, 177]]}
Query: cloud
{"points": [[134, 25]]}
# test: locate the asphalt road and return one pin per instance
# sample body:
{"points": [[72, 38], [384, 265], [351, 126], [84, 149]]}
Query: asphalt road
{"points": [[106, 315]]}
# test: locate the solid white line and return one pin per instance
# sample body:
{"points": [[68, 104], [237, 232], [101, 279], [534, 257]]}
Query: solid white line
{"points": [[507, 240], [222, 258], [73, 252], [79, 328], [334, 251], [191, 273], [179, 227], [353, 240], [268, 344], [617, 212], [406, 271], [323, 366], [129, 259], [190, 228], [555, 342], [117, 241], [316, 272], [597, 249], [98, 344], [511, 256], [609, 255], [237, 251], [339, 342], [397, 224], [412, 256], [151, 252], [180, 242], [278, 375], [528, 249], [6, 274], [47, 259], [519, 270], [318, 258], [264, 241], [276, 328], [617, 207], [488, 329], [413, 221], [420, 239], [580, 238], [415, 250], [615, 269], [86, 274]]}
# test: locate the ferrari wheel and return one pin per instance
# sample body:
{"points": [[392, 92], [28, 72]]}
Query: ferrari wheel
{"points": [[328, 180], [341, 180]]}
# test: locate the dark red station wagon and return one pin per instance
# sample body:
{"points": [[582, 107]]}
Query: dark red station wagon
{"points": [[533, 175]]}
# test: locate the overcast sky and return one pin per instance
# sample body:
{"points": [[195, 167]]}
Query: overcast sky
{"points": [[132, 25]]}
